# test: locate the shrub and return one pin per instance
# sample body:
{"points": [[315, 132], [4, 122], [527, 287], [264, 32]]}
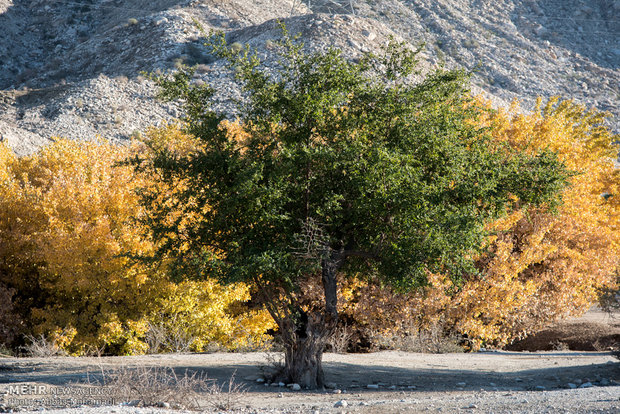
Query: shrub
{"points": [[68, 231]]}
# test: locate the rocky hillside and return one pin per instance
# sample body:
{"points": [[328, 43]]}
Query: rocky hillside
{"points": [[72, 67]]}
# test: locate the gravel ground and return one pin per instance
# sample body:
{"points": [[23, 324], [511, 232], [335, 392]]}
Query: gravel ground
{"points": [[561, 401], [383, 382]]}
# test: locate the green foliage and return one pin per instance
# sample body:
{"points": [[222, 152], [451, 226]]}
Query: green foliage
{"points": [[393, 173]]}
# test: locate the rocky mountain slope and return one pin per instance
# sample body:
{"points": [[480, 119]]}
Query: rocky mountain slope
{"points": [[72, 67]]}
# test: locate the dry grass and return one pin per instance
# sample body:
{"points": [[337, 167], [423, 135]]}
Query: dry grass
{"points": [[341, 340], [432, 340], [227, 396], [165, 387], [274, 368], [161, 338], [41, 347]]}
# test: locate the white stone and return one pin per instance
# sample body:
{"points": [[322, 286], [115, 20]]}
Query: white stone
{"points": [[341, 404], [160, 20]]}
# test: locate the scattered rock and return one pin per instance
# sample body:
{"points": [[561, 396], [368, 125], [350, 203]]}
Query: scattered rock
{"points": [[540, 30], [341, 404], [369, 35]]}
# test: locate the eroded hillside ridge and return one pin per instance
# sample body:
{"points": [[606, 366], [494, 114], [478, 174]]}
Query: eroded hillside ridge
{"points": [[72, 67]]}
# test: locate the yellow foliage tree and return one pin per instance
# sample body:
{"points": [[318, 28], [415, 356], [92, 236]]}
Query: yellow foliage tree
{"points": [[67, 231], [543, 266]]}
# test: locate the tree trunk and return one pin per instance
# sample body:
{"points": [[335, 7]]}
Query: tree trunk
{"points": [[304, 356], [306, 338]]}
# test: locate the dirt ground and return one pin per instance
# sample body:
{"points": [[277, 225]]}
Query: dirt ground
{"points": [[594, 331], [505, 381]]}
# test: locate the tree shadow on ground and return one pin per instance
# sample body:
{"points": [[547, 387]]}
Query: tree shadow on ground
{"points": [[354, 377]]}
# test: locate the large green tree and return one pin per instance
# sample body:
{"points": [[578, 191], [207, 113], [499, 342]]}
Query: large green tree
{"points": [[343, 167]]}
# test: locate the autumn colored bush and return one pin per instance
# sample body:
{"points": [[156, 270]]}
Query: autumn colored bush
{"points": [[539, 265], [68, 233]]}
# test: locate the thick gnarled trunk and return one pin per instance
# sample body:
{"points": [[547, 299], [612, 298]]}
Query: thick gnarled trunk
{"points": [[304, 356], [305, 339]]}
